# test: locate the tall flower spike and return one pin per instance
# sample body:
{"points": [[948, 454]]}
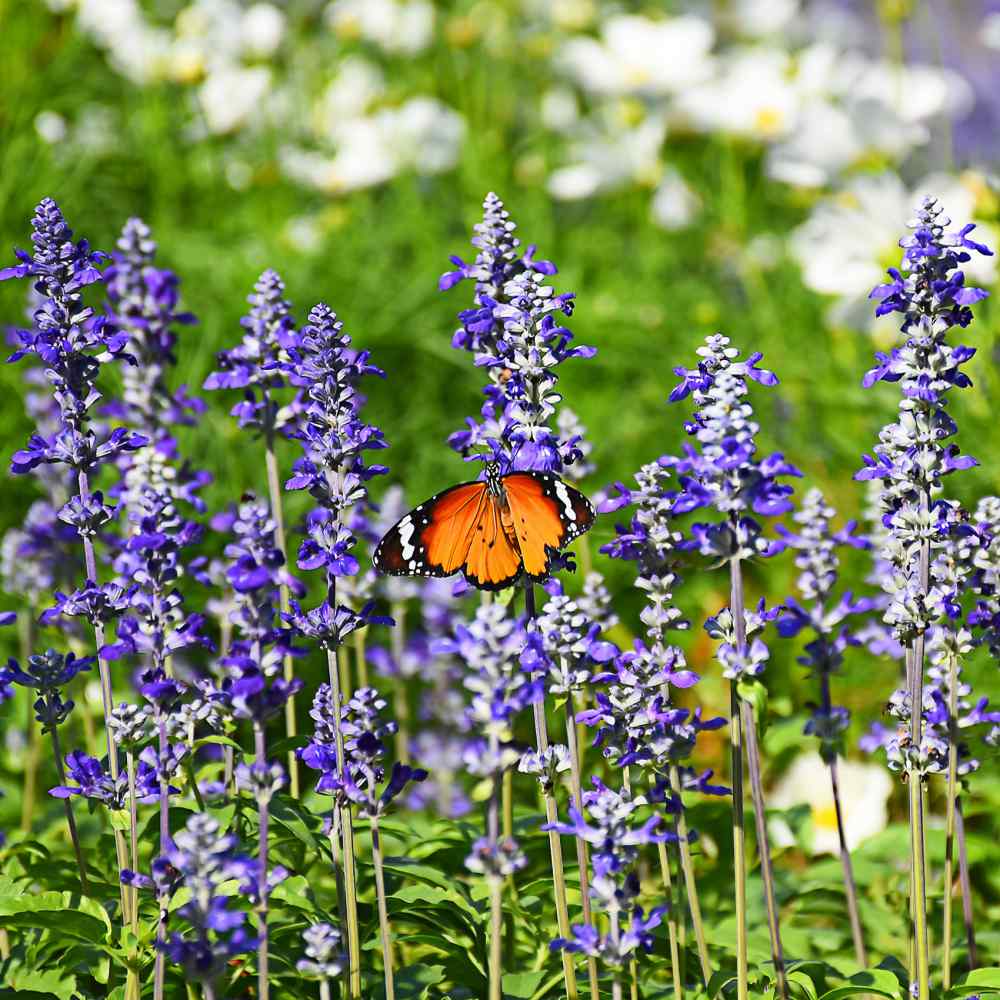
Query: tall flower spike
{"points": [[333, 468], [514, 331], [912, 458], [828, 622], [142, 301], [722, 471]]}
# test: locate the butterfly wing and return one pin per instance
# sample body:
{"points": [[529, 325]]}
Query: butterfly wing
{"points": [[434, 538], [547, 514], [492, 562]]}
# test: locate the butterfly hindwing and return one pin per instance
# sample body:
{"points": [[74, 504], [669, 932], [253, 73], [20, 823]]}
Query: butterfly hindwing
{"points": [[434, 538], [493, 562], [547, 515]]}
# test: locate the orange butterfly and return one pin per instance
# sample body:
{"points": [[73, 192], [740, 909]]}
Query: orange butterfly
{"points": [[492, 531]]}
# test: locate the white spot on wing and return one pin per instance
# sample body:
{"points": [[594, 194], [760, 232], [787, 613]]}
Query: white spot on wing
{"points": [[406, 529], [564, 498]]}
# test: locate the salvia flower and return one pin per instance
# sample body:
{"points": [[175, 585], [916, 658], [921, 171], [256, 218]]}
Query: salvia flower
{"points": [[70, 341], [914, 453], [325, 958], [258, 363], [204, 859], [514, 330], [142, 302], [721, 469], [828, 620]]}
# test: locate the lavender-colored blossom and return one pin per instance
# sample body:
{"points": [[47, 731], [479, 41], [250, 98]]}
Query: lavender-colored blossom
{"points": [[913, 454], [142, 302], [93, 781], [496, 859], [72, 343], [514, 331], [325, 958], [722, 471], [203, 859], [258, 364], [828, 620]]}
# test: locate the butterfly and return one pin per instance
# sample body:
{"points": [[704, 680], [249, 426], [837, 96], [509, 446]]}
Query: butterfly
{"points": [[492, 530]]}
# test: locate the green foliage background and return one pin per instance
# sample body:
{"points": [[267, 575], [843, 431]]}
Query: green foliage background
{"points": [[645, 299]]}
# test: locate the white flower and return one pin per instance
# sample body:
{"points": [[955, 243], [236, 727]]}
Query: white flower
{"points": [[403, 26], [559, 110], [135, 48], [674, 204], [864, 794], [757, 18], [350, 94], [851, 237], [754, 94], [423, 134], [263, 29], [229, 97], [608, 155], [641, 57], [50, 126]]}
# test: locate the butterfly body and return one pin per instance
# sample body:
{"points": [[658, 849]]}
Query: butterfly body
{"points": [[492, 530]]}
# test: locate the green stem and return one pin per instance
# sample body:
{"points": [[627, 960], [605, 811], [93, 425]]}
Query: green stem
{"points": [[107, 695], [917, 836], [70, 819], [383, 912], [739, 844], [966, 884], [25, 629], [556, 856], [668, 885], [401, 707], [133, 832], [756, 783], [690, 884], [582, 853], [949, 847], [278, 512], [347, 839]]}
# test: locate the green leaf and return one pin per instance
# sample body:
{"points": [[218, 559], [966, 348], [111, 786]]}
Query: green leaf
{"points": [[755, 693], [29, 985], [522, 985], [875, 982], [977, 981], [55, 911]]}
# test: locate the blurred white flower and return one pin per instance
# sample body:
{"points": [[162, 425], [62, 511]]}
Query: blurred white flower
{"points": [[403, 26], [263, 30], [559, 110], [639, 56], [851, 237], [136, 49], [757, 18], [607, 155], [864, 796], [357, 85], [423, 134], [230, 96], [50, 126], [304, 233], [674, 204], [754, 94]]}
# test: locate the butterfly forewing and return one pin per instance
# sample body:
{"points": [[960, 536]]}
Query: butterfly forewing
{"points": [[547, 515], [434, 538]]}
